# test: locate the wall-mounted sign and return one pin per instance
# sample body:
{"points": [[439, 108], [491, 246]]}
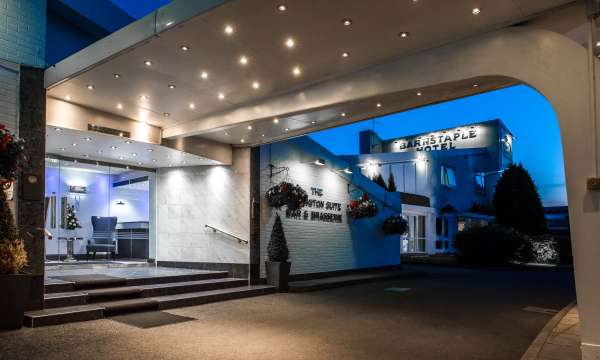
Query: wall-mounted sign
{"points": [[317, 209], [77, 189]]}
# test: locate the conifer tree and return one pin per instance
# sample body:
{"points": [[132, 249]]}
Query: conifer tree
{"points": [[277, 248], [380, 181], [391, 185], [517, 203]]}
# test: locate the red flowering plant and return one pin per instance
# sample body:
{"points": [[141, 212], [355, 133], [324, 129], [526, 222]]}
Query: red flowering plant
{"points": [[362, 208], [286, 193], [12, 155]]}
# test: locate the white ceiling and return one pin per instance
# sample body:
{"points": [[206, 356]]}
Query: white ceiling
{"points": [[260, 32], [94, 146]]}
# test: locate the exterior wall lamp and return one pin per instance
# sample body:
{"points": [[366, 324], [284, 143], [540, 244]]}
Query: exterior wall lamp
{"points": [[320, 162]]}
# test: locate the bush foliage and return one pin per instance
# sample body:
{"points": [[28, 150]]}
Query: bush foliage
{"points": [[490, 245]]}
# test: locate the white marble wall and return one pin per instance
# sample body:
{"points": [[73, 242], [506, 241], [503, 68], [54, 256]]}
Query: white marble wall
{"points": [[190, 197]]}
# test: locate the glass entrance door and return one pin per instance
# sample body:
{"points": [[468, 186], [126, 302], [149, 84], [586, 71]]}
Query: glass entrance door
{"points": [[414, 240]]}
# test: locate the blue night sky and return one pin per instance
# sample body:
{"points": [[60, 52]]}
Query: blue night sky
{"points": [[526, 113], [139, 8]]}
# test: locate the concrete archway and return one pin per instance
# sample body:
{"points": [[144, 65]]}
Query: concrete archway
{"points": [[551, 63]]}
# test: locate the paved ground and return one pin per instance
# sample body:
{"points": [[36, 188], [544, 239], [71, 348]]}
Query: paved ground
{"points": [[562, 342], [451, 314]]}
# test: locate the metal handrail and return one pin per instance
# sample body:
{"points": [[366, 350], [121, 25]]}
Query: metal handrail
{"points": [[214, 229]]}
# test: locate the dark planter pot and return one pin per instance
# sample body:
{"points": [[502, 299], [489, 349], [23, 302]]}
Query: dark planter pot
{"points": [[15, 293], [278, 274]]}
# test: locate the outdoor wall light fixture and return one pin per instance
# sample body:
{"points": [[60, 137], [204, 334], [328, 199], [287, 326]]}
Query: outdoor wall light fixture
{"points": [[347, 171], [320, 162], [120, 202]]}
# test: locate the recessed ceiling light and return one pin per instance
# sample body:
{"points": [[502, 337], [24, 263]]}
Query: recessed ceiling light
{"points": [[169, 23], [475, 85], [144, 97], [68, 97], [86, 156], [117, 76], [221, 96], [90, 87], [419, 93], [256, 85], [403, 34], [184, 47], [249, 127], [127, 141], [476, 11], [140, 163], [120, 158], [150, 150], [226, 133], [290, 42], [276, 121], [121, 134], [282, 7], [204, 75], [343, 114], [134, 154], [243, 60], [346, 22], [57, 129], [192, 106], [119, 106], [172, 86], [287, 129], [87, 138], [74, 144], [153, 160], [378, 105], [148, 63], [296, 71], [313, 122], [61, 149], [262, 135], [228, 29], [166, 114], [597, 43], [242, 141], [113, 147]]}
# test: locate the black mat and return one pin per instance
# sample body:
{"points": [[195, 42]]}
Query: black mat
{"points": [[150, 319], [92, 280]]}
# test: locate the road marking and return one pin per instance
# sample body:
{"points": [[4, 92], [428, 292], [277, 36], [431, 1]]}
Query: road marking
{"points": [[540, 310]]}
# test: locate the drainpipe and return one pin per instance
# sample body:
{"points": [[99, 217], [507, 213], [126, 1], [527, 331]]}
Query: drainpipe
{"points": [[593, 12]]}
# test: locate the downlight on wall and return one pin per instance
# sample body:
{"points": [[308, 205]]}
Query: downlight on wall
{"points": [[320, 162]]}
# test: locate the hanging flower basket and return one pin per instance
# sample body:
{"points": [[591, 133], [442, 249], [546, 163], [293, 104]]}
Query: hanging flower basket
{"points": [[12, 155], [362, 208], [394, 225], [286, 193]]}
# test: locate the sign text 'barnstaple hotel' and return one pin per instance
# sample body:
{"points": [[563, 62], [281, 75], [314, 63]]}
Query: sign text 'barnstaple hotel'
{"points": [[447, 140]]}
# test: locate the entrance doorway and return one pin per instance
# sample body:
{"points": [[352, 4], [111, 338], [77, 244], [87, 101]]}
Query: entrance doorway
{"points": [[415, 239]]}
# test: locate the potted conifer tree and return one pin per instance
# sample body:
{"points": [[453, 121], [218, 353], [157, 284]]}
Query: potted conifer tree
{"points": [[277, 266], [13, 282]]}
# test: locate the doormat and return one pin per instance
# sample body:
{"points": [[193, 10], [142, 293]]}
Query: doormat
{"points": [[92, 280], [540, 310], [397, 289], [150, 319]]}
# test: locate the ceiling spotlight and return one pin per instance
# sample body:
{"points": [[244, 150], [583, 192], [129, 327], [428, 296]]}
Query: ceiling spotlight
{"points": [[403, 34], [120, 158], [296, 71], [242, 141], [87, 138], [127, 141], [166, 114], [256, 85], [221, 96], [320, 162], [153, 160], [243, 60], [249, 127], [90, 87], [184, 47], [262, 135], [313, 122], [192, 106], [228, 29], [475, 85], [121, 134], [113, 147], [61, 149], [68, 97], [287, 129], [116, 76], [476, 11], [204, 75], [276, 121], [172, 86], [290, 43], [226, 133], [150, 150], [140, 163], [169, 23], [345, 54], [148, 63], [597, 43], [378, 105], [144, 97], [86, 156], [419, 93], [134, 154], [74, 144], [282, 7], [343, 114], [346, 22], [57, 129], [119, 106]]}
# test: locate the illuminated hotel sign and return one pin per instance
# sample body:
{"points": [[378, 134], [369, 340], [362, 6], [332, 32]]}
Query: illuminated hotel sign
{"points": [[476, 136], [317, 209]]}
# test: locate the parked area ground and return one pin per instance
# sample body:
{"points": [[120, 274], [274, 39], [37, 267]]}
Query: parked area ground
{"points": [[449, 314]]}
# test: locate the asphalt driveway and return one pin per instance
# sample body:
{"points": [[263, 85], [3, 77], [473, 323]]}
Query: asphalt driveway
{"points": [[449, 314]]}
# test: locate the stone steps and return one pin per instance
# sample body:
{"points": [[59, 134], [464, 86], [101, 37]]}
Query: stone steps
{"points": [[75, 313]]}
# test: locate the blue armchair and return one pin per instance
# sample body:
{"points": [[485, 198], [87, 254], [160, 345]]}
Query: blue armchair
{"points": [[103, 237]]}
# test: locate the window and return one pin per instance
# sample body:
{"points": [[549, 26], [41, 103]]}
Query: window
{"points": [[447, 176], [441, 226], [480, 181]]}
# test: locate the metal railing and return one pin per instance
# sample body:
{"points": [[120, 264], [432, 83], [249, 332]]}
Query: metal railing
{"points": [[215, 230]]}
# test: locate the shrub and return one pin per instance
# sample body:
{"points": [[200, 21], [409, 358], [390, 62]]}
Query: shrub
{"points": [[539, 249], [277, 248], [487, 245]]}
